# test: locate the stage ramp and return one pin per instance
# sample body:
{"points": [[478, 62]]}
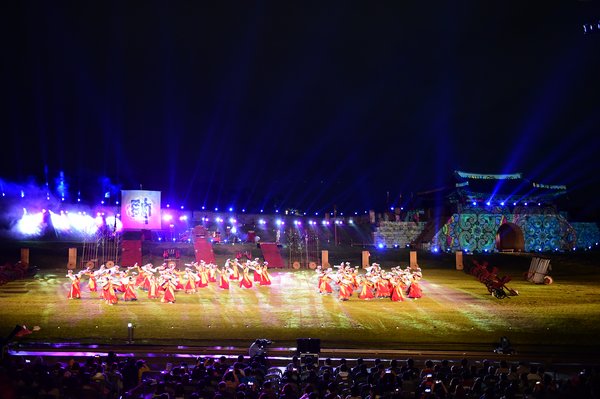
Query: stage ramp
{"points": [[271, 254], [203, 250]]}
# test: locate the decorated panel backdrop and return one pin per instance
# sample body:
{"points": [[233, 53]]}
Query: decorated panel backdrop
{"points": [[140, 210], [475, 230]]}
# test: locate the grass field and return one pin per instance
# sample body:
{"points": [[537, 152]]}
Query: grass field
{"points": [[456, 312]]}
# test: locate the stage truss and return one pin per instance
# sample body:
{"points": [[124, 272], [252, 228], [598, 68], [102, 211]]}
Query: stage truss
{"points": [[102, 248], [303, 248]]}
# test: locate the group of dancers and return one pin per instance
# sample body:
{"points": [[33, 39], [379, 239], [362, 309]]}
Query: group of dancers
{"points": [[164, 281], [396, 284]]}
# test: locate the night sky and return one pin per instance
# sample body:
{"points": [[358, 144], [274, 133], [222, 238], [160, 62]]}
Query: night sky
{"points": [[289, 104]]}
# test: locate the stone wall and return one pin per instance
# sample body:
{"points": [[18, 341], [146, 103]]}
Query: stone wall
{"points": [[397, 233]]}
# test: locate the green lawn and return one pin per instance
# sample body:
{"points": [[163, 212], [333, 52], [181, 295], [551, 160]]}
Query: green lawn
{"points": [[456, 312]]}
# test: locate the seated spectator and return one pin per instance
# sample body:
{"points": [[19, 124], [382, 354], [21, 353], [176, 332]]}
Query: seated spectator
{"points": [[326, 367], [288, 391]]}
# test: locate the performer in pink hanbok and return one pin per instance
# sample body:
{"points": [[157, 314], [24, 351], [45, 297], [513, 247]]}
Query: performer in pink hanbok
{"points": [[235, 272], [152, 286], [414, 291], [325, 281], [108, 291], [257, 271], [245, 278], [345, 285], [367, 288], [264, 275], [190, 284], [398, 290], [75, 290], [168, 286], [92, 280], [224, 274], [382, 288], [212, 273], [130, 294], [202, 281]]}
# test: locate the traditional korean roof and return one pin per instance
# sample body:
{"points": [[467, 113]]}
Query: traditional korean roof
{"points": [[508, 188]]}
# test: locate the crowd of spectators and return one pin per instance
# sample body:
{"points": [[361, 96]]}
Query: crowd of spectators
{"points": [[114, 377]]}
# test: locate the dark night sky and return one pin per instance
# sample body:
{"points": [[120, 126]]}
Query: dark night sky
{"points": [[295, 104]]}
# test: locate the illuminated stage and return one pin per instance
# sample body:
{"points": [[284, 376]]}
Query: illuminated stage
{"points": [[456, 315]]}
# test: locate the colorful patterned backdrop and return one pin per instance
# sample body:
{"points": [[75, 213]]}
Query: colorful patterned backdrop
{"points": [[475, 229], [588, 235]]}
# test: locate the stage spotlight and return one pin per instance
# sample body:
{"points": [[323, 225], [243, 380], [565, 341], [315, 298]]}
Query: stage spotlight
{"points": [[488, 203], [502, 203], [261, 221], [232, 220], [474, 203], [129, 333], [230, 209], [169, 205], [526, 204], [380, 246]]}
